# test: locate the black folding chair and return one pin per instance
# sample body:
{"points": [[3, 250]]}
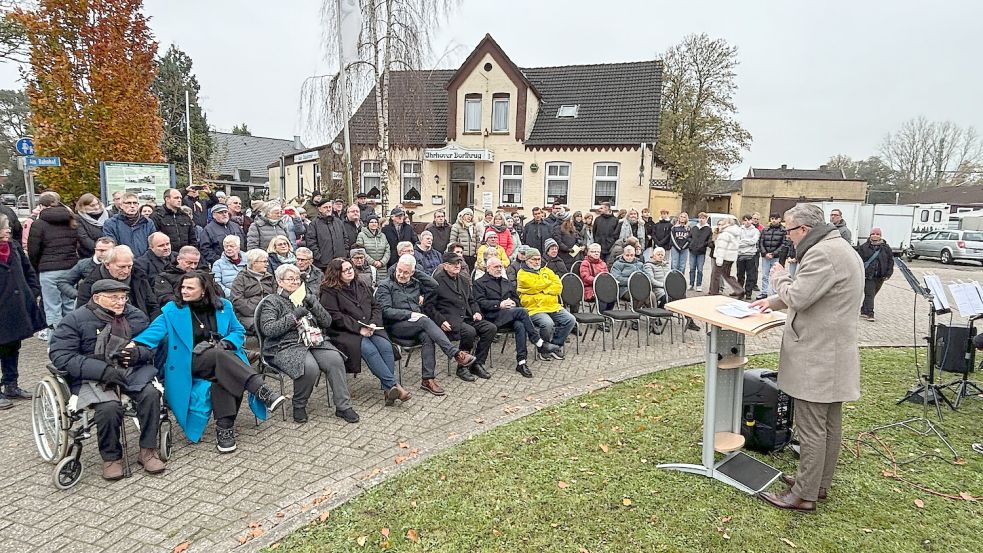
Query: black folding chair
{"points": [[573, 296], [575, 268], [606, 292], [263, 367], [640, 292], [676, 290]]}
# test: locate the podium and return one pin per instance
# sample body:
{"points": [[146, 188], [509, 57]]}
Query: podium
{"points": [[723, 394]]}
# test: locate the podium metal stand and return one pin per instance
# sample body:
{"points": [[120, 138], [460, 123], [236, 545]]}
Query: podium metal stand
{"points": [[723, 394]]}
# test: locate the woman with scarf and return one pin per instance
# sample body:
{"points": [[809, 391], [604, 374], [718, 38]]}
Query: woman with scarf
{"points": [[583, 229], [228, 267], [252, 285], [206, 368], [280, 320], [19, 311], [90, 215], [878, 261], [270, 223], [356, 327], [567, 238], [504, 234], [281, 252], [465, 233]]}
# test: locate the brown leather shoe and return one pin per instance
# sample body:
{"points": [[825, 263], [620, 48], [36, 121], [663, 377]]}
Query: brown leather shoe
{"points": [[150, 460], [464, 359], [404, 395], [791, 482], [789, 502], [112, 470], [431, 385]]}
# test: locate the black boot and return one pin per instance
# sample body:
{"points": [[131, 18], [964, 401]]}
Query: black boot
{"points": [[478, 370], [464, 374], [269, 397]]}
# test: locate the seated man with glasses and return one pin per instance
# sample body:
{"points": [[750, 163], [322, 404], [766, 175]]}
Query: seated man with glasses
{"points": [[90, 344], [167, 286]]}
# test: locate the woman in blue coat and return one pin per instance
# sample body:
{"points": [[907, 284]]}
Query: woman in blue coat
{"points": [[205, 361]]}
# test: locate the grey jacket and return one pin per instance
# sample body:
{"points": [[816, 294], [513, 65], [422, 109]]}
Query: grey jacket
{"points": [[282, 344], [375, 244], [247, 292], [262, 231]]}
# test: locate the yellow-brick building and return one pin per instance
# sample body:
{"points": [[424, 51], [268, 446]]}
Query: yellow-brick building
{"points": [[768, 191], [491, 135]]}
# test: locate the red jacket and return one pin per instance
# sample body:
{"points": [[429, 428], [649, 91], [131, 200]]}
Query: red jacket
{"points": [[588, 270]]}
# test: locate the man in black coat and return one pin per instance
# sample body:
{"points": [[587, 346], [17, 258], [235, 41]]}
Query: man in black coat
{"points": [[456, 312], [173, 222], [535, 233], [398, 230], [364, 207], [92, 345], [326, 236], [878, 261], [352, 225], [498, 301], [167, 285], [216, 231], [199, 206], [607, 229], [118, 265], [662, 233], [158, 256]]}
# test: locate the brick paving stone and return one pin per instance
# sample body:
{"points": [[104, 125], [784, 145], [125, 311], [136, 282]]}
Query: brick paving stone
{"points": [[210, 499]]}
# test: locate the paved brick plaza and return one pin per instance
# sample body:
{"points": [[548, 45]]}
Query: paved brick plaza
{"points": [[284, 473]]}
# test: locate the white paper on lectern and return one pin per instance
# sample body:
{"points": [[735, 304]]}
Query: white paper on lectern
{"points": [[737, 309], [939, 299], [964, 295]]}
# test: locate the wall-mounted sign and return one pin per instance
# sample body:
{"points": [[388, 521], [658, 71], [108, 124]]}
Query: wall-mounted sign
{"points": [[306, 156], [437, 199], [486, 200], [456, 153]]}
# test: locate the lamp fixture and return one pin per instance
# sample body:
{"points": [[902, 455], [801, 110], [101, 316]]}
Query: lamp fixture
{"points": [[436, 179], [482, 180]]}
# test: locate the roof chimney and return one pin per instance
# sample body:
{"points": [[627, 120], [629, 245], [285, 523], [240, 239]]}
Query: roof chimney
{"points": [[298, 145], [784, 166], [823, 167]]}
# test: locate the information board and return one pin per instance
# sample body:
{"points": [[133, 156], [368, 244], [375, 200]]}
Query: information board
{"points": [[147, 180]]}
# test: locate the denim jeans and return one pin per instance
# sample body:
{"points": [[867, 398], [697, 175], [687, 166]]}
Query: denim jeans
{"points": [[696, 263], [766, 265], [378, 355], [677, 259], [55, 305], [554, 327]]}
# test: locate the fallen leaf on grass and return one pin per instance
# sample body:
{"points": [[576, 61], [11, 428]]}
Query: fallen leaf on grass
{"points": [[726, 536], [275, 545], [919, 503], [867, 530], [604, 448], [959, 461], [967, 496], [583, 550], [626, 502], [788, 542], [496, 531], [361, 540], [889, 474], [385, 532], [182, 547], [726, 519], [412, 535], [562, 485], [413, 504], [324, 516]]}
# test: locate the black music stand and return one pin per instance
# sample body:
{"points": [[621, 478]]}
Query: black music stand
{"points": [[963, 386]]}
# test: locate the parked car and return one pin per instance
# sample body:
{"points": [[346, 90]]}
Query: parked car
{"points": [[22, 201], [9, 199], [948, 246]]}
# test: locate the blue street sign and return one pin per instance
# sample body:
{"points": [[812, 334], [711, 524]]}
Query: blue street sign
{"points": [[42, 161], [25, 146]]}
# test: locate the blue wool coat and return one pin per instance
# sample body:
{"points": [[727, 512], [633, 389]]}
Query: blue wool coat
{"points": [[191, 401]]}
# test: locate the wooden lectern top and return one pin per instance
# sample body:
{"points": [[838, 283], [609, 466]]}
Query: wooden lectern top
{"points": [[704, 309]]}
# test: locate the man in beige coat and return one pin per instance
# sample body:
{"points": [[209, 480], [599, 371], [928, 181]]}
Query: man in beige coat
{"points": [[819, 364]]}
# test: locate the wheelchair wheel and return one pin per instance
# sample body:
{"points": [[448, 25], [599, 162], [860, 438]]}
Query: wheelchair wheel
{"points": [[164, 441], [49, 420], [67, 472]]}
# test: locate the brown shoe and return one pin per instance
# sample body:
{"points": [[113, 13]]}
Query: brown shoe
{"points": [[112, 470], [789, 502], [150, 460], [404, 395], [791, 482], [464, 359], [431, 385], [252, 355], [396, 392]]}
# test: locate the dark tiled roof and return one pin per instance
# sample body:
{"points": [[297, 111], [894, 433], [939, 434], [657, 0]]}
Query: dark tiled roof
{"points": [[724, 187], [961, 195], [253, 153], [800, 174], [619, 103]]}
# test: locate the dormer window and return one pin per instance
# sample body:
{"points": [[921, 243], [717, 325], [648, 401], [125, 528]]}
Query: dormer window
{"points": [[472, 113], [567, 111]]}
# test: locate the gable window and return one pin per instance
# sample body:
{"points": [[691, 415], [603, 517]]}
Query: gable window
{"points": [[317, 176], [472, 113], [500, 113], [567, 111], [371, 177], [557, 182], [606, 183], [412, 180], [511, 183]]}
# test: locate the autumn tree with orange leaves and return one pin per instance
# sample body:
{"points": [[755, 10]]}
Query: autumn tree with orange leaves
{"points": [[91, 68]]}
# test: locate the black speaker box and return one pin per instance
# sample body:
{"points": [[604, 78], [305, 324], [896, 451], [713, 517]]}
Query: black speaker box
{"points": [[767, 412]]}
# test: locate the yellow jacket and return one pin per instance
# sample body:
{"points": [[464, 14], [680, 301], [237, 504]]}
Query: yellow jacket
{"points": [[539, 290], [480, 263]]}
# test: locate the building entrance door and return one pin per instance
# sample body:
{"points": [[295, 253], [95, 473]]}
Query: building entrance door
{"points": [[461, 190]]}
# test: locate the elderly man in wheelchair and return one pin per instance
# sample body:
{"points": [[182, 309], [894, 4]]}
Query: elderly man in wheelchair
{"points": [[91, 350]]}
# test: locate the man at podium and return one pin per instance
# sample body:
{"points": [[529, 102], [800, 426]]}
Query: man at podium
{"points": [[819, 363]]}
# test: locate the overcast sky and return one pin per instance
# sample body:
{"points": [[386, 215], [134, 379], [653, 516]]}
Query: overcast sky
{"points": [[815, 79]]}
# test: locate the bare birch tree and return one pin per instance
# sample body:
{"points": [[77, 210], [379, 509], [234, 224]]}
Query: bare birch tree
{"points": [[396, 35], [925, 154]]}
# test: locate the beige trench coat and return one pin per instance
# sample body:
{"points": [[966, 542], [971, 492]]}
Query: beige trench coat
{"points": [[820, 358]]}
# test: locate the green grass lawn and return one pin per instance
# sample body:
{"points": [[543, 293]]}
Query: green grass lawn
{"points": [[582, 476]]}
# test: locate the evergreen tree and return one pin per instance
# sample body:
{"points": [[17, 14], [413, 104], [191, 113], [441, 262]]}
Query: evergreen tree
{"points": [[174, 77]]}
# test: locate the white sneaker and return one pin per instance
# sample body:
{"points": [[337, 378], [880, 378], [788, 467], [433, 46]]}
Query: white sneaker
{"points": [[699, 288], [43, 334]]}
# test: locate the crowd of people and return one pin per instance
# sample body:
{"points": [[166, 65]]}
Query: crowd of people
{"points": [[125, 294]]}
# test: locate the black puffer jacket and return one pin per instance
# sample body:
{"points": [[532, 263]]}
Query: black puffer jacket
{"points": [[177, 226], [699, 239], [772, 240], [52, 243], [881, 268]]}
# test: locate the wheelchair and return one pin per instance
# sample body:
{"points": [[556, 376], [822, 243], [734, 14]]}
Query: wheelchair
{"points": [[60, 428]]}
